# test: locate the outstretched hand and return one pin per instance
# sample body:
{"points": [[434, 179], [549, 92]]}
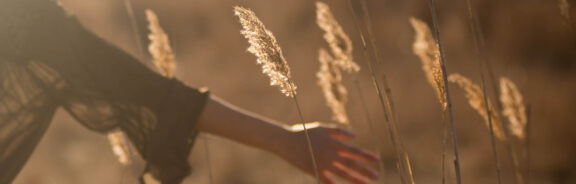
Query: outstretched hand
{"points": [[333, 157]]}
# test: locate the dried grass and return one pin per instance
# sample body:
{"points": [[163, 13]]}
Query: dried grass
{"points": [[263, 44], [339, 42], [119, 146], [335, 93], [513, 107], [476, 100], [426, 48], [159, 48]]}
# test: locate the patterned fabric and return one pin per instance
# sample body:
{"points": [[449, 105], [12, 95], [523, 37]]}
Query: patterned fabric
{"points": [[49, 61]]}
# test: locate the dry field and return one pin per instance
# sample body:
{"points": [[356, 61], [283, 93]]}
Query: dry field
{"points": [[527, 41]]}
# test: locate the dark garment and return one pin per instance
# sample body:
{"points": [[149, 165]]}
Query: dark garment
{"points": [[48, 60]]}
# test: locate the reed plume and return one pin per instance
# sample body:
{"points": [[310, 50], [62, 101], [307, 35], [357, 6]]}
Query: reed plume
{"points": [[513, 107], [383, 90], [426, 48], [476, 101], [339, 42], [330, 80], [119, 146], [263, 44], [159, 47]]}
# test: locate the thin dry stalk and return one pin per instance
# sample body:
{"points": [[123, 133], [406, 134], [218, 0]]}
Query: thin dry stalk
{"points": [[444, 143], [479, 44], [134, 27], [162, 55], [476, 100], [335, 93], [118, 139], [330, 76], [513, 107], [164, 60], [339, 42], [263, 44], [384, 96], [426, 48], [528, 150], [370, 123], [159, 48], [432, 6]]}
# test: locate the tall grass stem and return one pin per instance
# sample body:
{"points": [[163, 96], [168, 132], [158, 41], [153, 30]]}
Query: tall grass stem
{"points": [[140, 53], [208, 162], [385, 98], [405, 169], [477, 38], [432, 6], [308, 140], [529, 127], [370, 123]]}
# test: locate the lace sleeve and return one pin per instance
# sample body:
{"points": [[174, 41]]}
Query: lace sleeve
{"points": [[103, 88]]}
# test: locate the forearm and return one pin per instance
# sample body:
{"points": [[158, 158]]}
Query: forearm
{"points": [[225, 120]]}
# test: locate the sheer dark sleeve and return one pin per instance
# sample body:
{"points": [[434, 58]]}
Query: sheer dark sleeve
{"points": [[26, 109], [109, 88], [105, 88]]}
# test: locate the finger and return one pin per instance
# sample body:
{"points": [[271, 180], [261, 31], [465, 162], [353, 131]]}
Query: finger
{"points": [[359, 168], [340, 133], [325, 179], [357, 153], [341, 171]]}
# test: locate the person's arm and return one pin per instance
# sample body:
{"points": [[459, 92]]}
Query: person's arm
{"points": [[333, 157]]}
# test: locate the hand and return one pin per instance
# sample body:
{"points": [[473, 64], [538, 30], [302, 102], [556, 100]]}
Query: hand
{"points": [[333, 157]]}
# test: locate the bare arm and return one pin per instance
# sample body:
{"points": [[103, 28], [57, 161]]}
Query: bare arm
{"points": [[223, 119], [333, 156]]}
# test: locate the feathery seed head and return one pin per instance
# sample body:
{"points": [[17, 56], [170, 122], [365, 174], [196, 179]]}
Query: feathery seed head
{"points": [[426, 48], [119, 146], [159, 46], [263, 44], [476, 100], [513, 108], [340, 44], [330, 80]]}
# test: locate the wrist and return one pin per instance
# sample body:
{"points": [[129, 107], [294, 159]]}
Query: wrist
{"points": [[282, 141]]}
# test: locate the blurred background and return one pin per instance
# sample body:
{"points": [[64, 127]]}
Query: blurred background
{"points": [[527, 41]]}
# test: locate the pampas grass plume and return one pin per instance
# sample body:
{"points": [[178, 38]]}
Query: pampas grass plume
{"points": [[159, 47], [476, 101], [330, 80], [263, 44], [119, 146], [513, 107], [339, 42], [426, 48]]}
